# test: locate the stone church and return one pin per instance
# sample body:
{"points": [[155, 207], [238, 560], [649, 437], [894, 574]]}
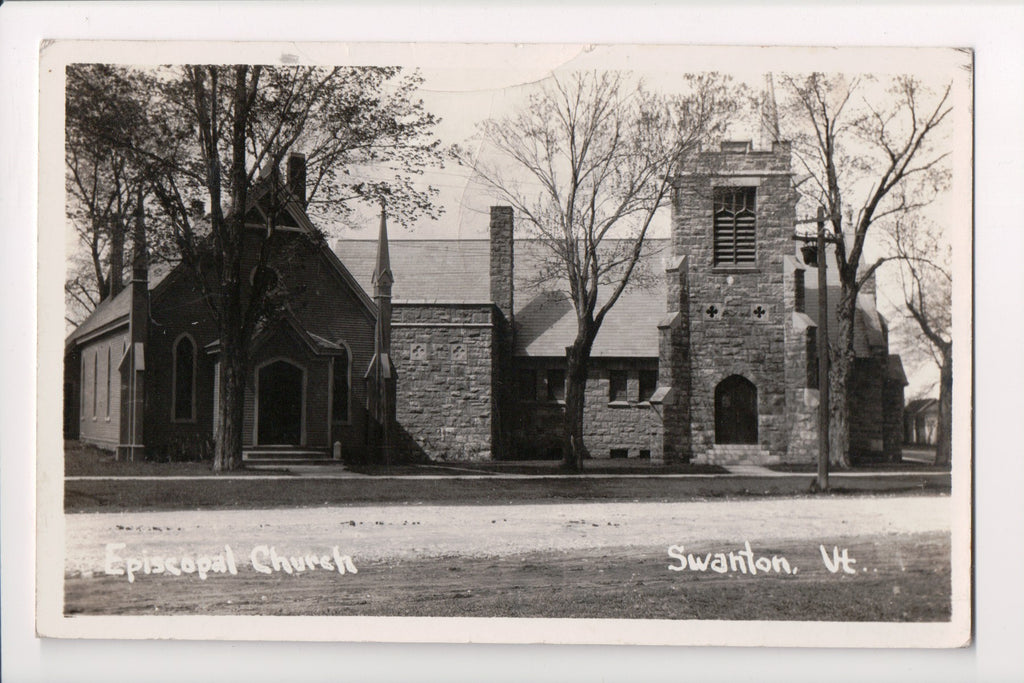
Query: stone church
{"points": [[708, 359]]}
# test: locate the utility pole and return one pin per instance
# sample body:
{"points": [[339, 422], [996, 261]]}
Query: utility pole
{"points": [[822, 354], [820, 258]]}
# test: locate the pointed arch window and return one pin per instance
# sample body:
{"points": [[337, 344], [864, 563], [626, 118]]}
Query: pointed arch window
{"points": [[183, 398]]}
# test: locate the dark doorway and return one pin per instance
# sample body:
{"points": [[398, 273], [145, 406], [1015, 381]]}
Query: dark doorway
{"points": [[280, 404], [735, 411]]}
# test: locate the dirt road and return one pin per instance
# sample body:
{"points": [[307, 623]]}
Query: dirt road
{"points": [[409, 532]]}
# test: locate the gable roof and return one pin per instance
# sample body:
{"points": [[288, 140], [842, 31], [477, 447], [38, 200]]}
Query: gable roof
{"points": [[921, 405], [868, 323], [458, 272], [111, 313], [425, 271], [894, 369]]}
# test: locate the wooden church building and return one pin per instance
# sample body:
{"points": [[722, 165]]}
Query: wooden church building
{"points": [[141, 372]]}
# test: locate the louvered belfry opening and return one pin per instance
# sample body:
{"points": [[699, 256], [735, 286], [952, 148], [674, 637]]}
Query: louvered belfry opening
{"points": [[735, 225]]}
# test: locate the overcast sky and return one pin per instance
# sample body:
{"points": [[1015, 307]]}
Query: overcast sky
{"points": [[466, 84]]}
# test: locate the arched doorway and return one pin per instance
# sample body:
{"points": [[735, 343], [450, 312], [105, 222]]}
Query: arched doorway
{"points": [[736, 411], [280, 404]]}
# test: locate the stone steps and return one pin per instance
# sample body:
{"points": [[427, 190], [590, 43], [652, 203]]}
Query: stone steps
{"points": [[288, 456]]}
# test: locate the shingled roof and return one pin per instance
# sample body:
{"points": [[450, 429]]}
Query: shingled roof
{"points": [[113, 312], [458, 272]]}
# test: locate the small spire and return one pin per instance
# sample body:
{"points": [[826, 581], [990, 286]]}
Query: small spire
{"points": [[769, 114], [382, 276]]}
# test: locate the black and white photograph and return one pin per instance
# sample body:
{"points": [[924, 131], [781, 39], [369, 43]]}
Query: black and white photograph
{"points": [[550, 343]]}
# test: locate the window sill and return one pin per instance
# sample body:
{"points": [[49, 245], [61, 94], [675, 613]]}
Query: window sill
{"points": [[619, 404], [735, 269]]}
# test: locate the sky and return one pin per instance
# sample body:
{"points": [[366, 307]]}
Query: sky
{"points": [[466, 84], [500, 83]]}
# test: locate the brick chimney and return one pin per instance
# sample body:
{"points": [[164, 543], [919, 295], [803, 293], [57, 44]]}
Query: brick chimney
{"points": [[501, 259], [297, 176], [131, 445]]}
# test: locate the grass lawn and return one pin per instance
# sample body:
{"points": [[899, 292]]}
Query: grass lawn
{"points": [[899, 578], [907, 466], [81, 460], [252, 493], [210, 491]]}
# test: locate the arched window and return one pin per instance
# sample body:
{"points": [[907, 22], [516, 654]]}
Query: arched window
{"points": [[340, 389], [183, 384]]}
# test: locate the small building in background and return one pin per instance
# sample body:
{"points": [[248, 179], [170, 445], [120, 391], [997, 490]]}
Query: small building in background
{"points": [[921, 422]]}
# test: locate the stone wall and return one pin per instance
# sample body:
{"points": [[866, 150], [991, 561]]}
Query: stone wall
{"points": [[737, 313], [443, 354], [631, 426], [867, 413], [801, 399], [892, 428], [674, 365]]}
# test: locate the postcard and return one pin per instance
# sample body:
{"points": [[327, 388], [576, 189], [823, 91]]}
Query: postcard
{"points": [[505, 343]]}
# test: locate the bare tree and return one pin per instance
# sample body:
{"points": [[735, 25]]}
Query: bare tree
{"points": [[870, 154], [100, 180], [217, 135], [926, 278], [587, 162]]}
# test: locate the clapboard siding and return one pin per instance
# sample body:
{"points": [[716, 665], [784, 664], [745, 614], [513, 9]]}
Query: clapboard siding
{"points": [[98, 396]]}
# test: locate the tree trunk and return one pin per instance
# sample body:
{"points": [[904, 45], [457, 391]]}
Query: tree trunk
{"points": [[234, 330], [577, 359], [944, 433], [840, 368], [228, 439]]}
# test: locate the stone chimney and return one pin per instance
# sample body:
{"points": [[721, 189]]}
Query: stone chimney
{"points": [[297, 176], [501, 259]]}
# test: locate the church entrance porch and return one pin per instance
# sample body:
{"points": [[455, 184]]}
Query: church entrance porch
{"points": [[280, 404]]}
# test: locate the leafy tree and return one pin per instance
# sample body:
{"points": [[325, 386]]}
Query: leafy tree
{"points": [[926, 278], [586, 163], [215, 137], [872, 152]]}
